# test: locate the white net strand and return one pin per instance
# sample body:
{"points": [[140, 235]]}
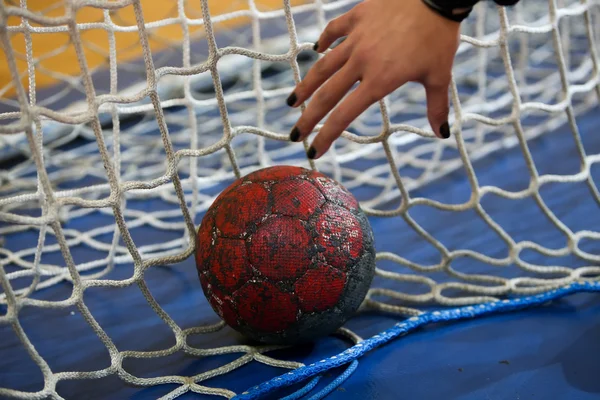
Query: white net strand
{"points": [[175, 127]]}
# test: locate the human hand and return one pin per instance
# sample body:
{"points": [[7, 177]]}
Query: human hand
{"points": [[388, 43]]}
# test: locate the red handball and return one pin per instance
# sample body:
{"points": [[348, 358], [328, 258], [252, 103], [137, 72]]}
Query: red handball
{"points": [[285, 255]]}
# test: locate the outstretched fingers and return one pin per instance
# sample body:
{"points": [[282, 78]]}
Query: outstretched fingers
{"points": [[387, 44], [438, 108], [336, 29], [326, 98], [351, 108], [319, 73]]}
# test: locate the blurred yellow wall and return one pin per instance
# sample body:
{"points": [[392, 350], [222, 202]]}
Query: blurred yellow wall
{"points": [[55, 54]]}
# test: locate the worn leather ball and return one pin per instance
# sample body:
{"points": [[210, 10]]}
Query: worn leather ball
{"points": [[285, 255]]}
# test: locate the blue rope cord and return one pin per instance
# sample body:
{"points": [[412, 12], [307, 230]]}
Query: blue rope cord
{"points": [[402, 328], [305, 390], [337, 382], [326, 390]]}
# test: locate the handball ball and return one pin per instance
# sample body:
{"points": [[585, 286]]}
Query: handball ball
{"points": [[285, 255]]}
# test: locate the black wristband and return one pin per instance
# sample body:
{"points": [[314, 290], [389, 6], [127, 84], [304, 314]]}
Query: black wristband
{"points": [[458, 10], [452, 13]]}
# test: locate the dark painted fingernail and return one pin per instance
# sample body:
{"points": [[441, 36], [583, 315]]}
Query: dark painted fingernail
{"points": [[292, 99], [316, 46], [445, 130], [295, 135], [311, 153]]}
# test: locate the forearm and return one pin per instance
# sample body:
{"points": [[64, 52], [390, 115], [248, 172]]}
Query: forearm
{"points": [[458, 10]]}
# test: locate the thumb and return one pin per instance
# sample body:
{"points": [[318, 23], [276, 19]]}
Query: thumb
{"points": [[438, 109]]}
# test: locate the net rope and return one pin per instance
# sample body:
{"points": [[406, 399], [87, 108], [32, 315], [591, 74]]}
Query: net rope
{"points": [[173, 127]]}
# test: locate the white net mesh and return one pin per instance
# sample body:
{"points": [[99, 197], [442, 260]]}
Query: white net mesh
{"points": [[111, 158]]}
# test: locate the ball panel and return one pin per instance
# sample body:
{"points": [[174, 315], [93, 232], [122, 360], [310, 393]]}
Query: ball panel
{"points": [[276, 173], [224, 307], [358, 283], [228, 190], [334, 191], [280, 248], [266, 308], [296, 198], [310, 326], [204, 241], [316, 325], [339, 236], [204, 282], [239, 210], [230, 266], [320, 288], [368, 238]]}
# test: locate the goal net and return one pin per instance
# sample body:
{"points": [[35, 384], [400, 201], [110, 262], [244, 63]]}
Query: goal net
{"points": [[122, 120]]}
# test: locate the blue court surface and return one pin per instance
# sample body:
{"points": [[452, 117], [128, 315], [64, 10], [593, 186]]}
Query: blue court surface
{"points": [[548, 351]]}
